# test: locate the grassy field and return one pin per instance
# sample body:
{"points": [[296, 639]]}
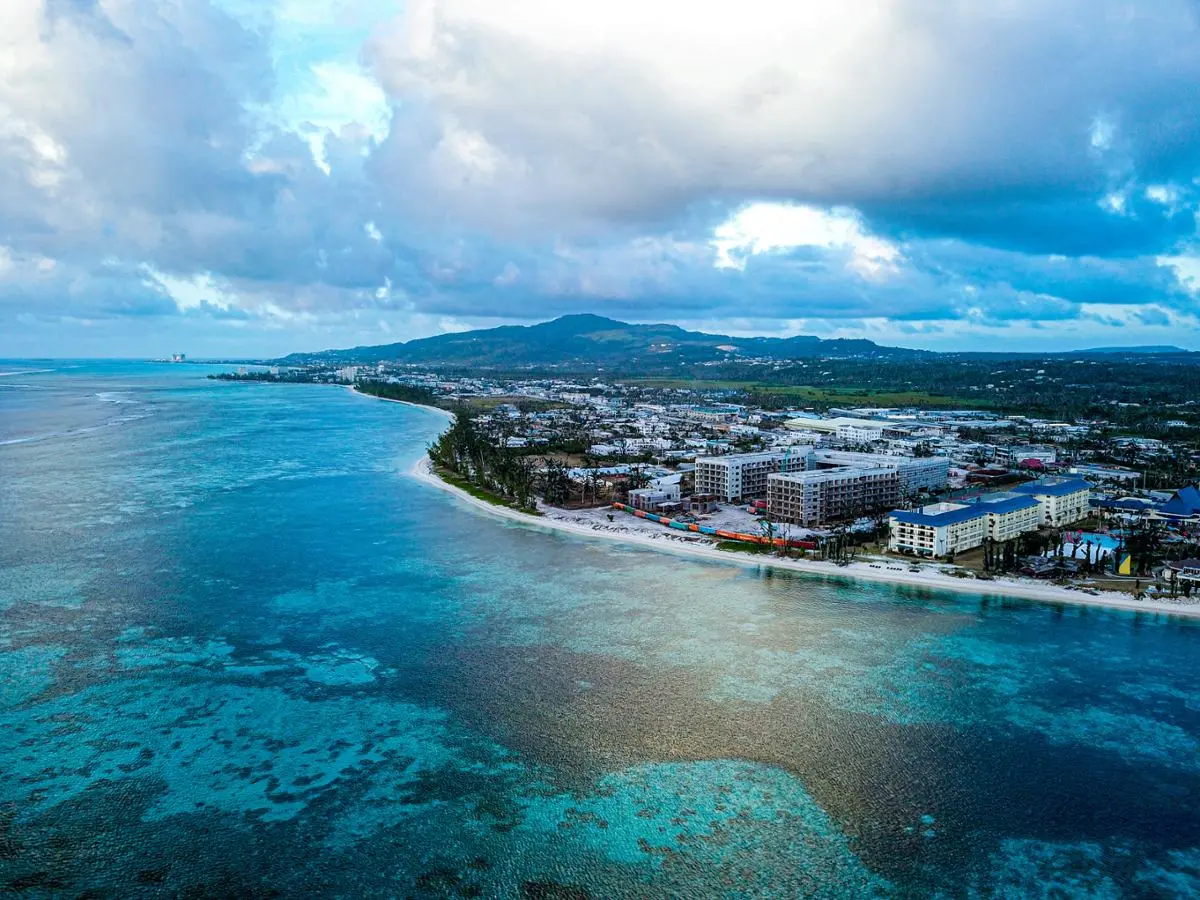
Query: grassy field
{"points": [[801, 395]]}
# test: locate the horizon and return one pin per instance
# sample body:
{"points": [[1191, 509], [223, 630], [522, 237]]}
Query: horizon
{"points": [[249, 180], [227, 358]]}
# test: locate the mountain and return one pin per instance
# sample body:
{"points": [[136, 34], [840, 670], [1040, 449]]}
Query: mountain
{"points": [[591, 340], [1142, 350]]}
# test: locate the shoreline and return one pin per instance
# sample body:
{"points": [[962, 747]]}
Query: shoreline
{"points": [[858, 571], [562, 521], [437, 409]]}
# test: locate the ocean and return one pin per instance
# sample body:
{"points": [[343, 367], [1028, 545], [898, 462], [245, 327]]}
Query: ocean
{"points": [[244, 654]]}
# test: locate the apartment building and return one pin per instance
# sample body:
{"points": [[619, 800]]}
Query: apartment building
{"points": [[818, 497], [1063, 500], [1010, 515], [939, 529], [917, 473], [861, 434], [1019, 453], [743, 476]]}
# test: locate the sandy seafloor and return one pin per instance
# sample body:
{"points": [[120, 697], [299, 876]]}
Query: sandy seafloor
{"points": [[244, 653]]}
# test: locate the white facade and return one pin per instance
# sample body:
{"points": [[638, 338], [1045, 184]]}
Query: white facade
{"points": [[651, 499], [863, 434], [938, 529], [1062, 500], [1010, 515]]}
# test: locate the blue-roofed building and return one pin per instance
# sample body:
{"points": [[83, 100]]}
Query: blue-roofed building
{"points": [[1184, 505], [1063, 499], [939, 529], [942, 529]]}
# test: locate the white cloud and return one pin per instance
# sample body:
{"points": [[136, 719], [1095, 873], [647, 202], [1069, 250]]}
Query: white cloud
{"points": [[192, 292], [772, 227], [543, 113], [509, 276], [1186, 269]]}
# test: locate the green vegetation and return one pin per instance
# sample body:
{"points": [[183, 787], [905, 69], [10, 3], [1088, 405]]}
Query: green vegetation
{"points": [[778, 396], [479, 458], [403, 392], [742, 547], [523, 404], [455, 480]]}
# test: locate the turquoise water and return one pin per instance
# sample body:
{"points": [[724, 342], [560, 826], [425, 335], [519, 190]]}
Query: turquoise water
{"points": [[242, 653]]}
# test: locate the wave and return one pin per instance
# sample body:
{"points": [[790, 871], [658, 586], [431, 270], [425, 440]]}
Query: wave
{"points": [[114, 397]]}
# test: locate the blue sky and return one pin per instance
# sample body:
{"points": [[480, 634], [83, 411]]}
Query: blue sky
{"points": [[252, 177]]}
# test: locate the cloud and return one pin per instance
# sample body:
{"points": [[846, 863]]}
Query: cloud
{"points": [[543, 114], [309, 169], [773, 227]]}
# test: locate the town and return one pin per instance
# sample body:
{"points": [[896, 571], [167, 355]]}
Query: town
{"points": [[980, 492]]}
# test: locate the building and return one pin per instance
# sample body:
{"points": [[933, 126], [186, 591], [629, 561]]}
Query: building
{"points": [[939, 529], [917, 473], [743, 476], [1107, 474], [1063, 499], [653, 499], [1014, 455], [1184, 570], [817, 497], [837, 424], [1010, 515], [1184, 505], [860, 434]]}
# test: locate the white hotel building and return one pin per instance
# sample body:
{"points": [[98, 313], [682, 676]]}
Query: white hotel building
{"points": [[942, 529], [1063, 500]]}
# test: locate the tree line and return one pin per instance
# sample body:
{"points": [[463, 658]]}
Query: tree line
{"points": [[479, 455]]}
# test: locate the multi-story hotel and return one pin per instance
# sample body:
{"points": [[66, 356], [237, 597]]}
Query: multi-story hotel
{"points": [[743, 476], [1063, 500], [1010, 515], [939, 529], [942, 529], [818, 497], [917, 473]]}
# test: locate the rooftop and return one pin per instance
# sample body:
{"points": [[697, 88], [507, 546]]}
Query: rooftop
{"points": [[1054, 486], [1006, 502], [937, 514]]}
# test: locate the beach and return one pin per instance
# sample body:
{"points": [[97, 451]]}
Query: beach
{"points": [[594, 524]]}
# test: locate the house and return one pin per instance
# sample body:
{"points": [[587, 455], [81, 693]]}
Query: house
{"points": [[1106, 474], [1185, 570], [1185, 504], [653, 499]]}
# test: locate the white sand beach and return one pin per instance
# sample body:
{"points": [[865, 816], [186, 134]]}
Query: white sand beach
{"points": [[594, 524]]}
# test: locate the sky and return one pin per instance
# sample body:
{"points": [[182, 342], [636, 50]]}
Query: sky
{"points": [[247, 178]]}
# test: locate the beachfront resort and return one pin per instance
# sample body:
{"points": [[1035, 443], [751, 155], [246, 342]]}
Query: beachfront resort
{"points": [[966, 492]]}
